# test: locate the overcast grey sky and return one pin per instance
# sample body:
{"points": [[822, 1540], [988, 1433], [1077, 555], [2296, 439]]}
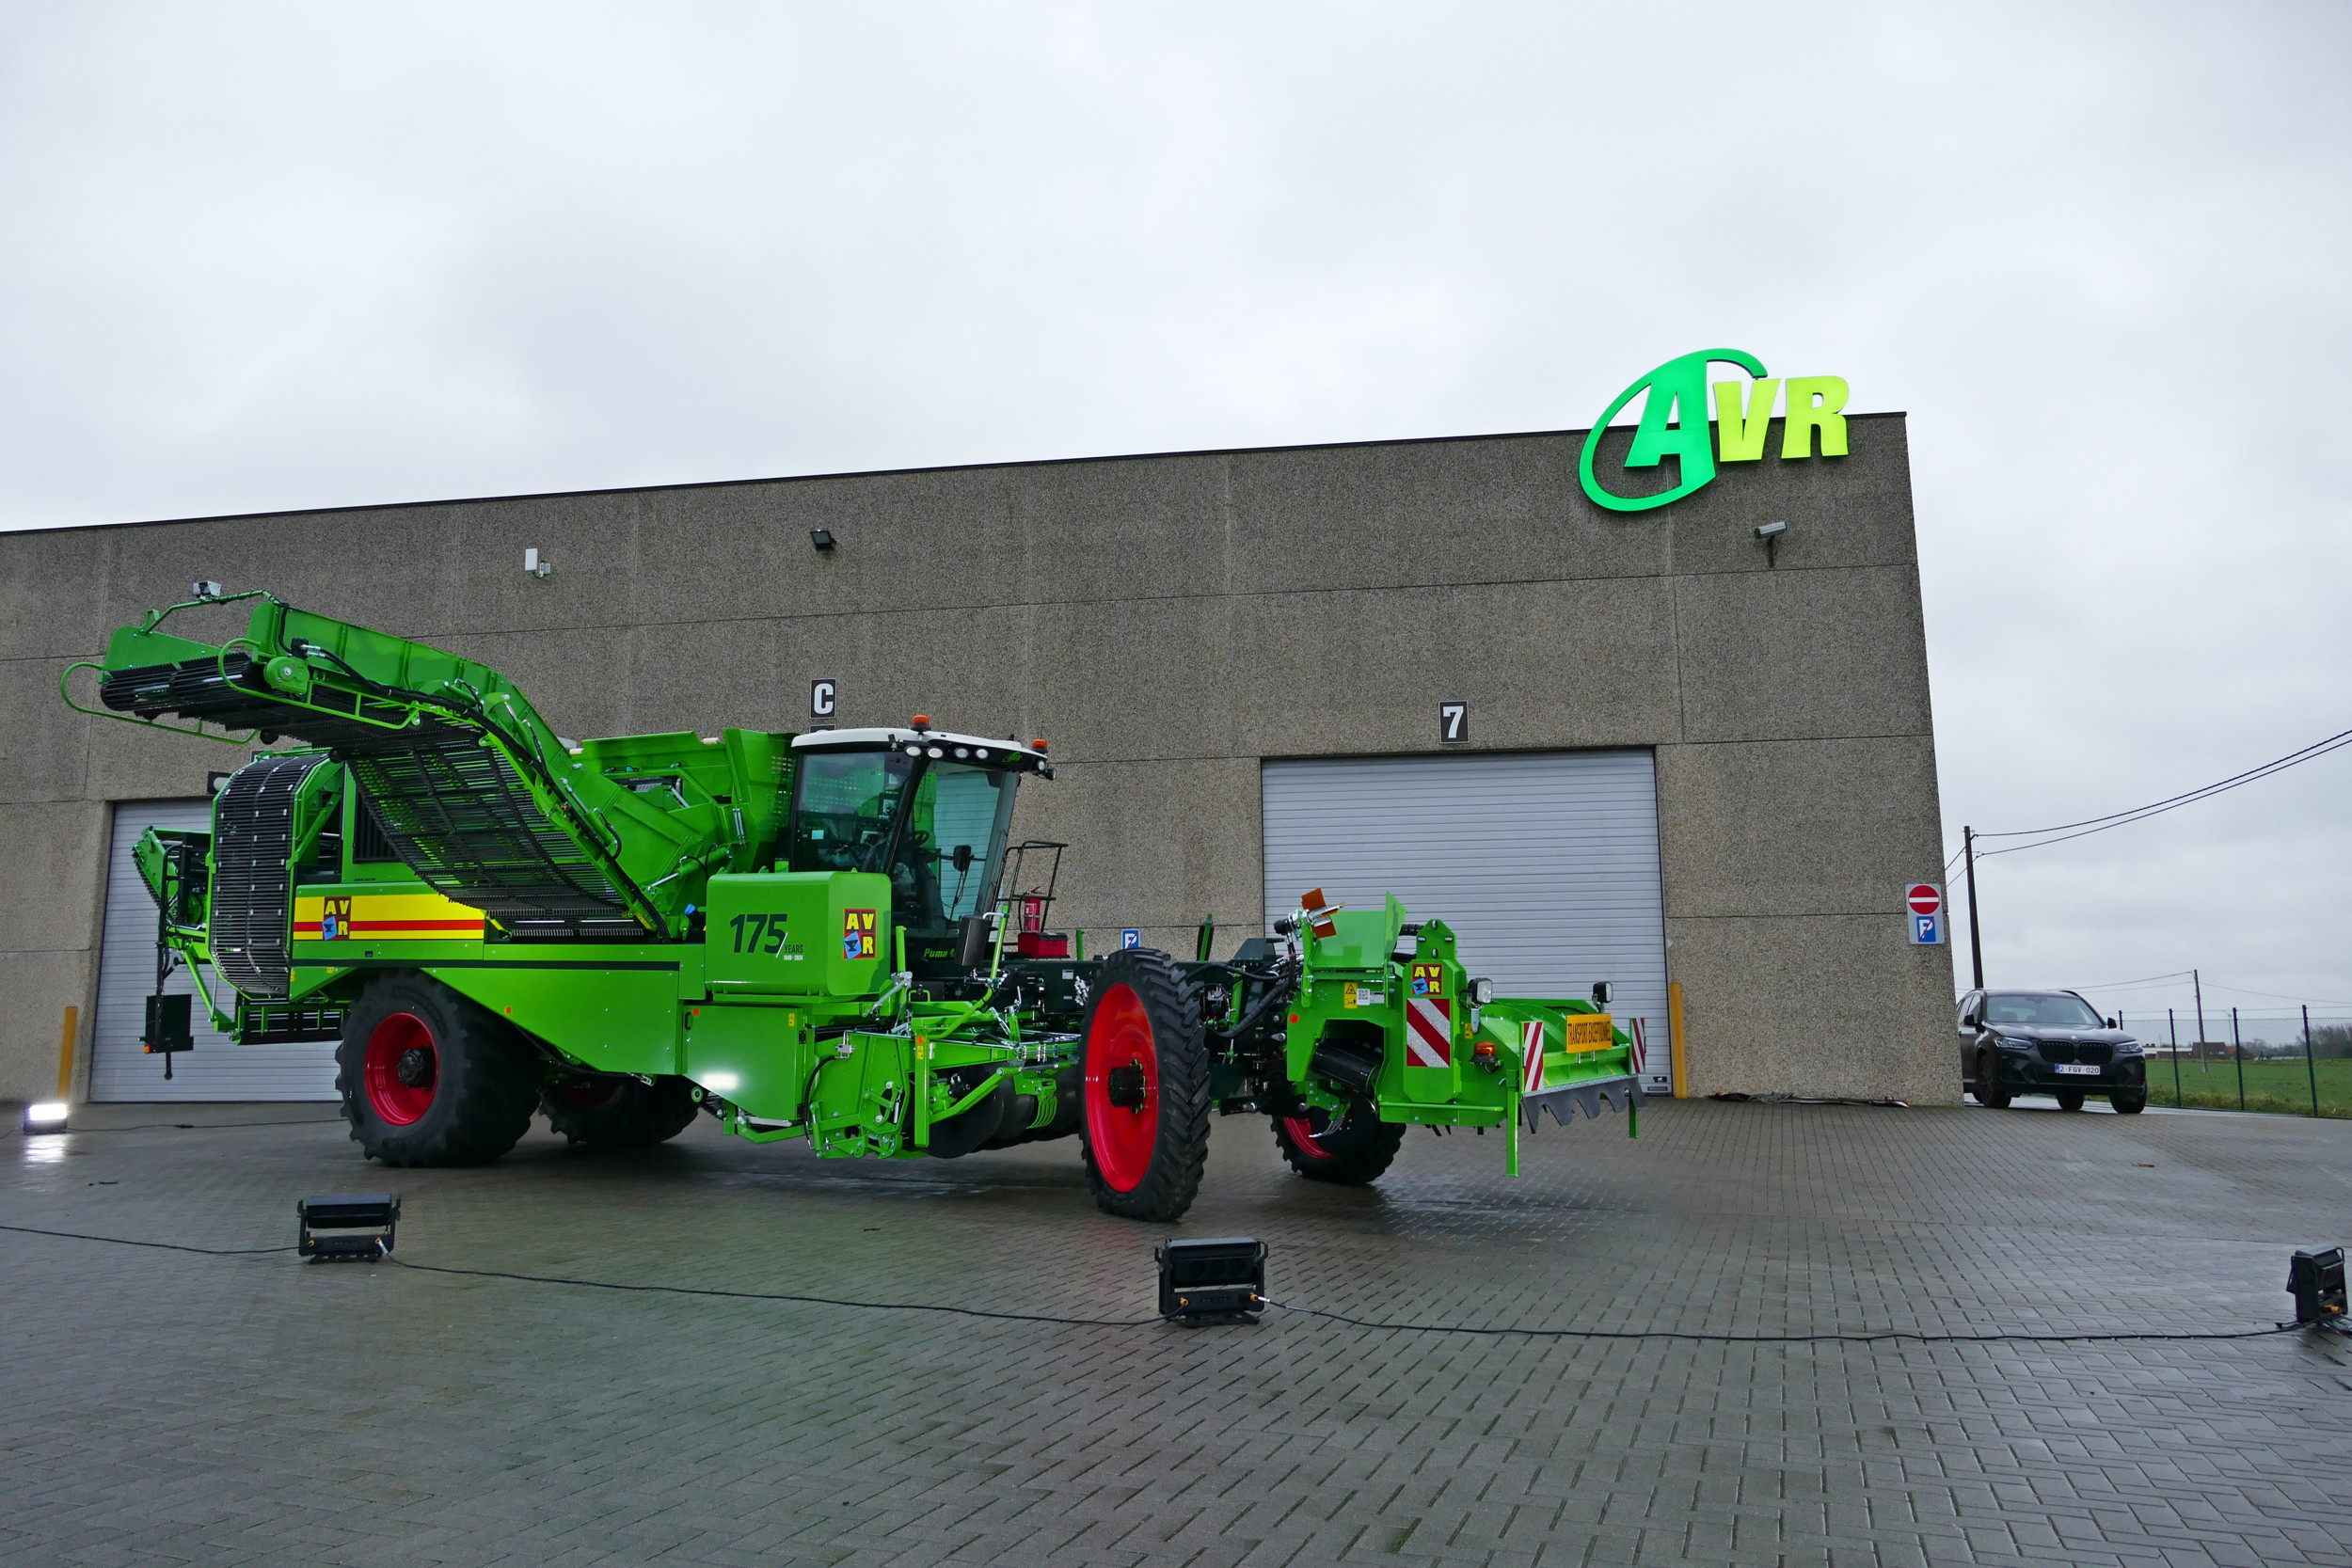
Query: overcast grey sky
{"points": [[272, 256]]}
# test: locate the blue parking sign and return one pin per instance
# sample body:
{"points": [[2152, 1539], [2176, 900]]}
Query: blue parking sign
{"points": [[1927, 930], [1130, 938]]}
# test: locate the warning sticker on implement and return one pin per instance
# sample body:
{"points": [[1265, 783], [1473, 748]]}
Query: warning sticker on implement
{"points": [[1428, 1031], [857, 934], [1590, 1032]]}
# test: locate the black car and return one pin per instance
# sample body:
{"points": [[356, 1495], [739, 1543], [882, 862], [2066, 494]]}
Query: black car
{"points": [[2014, 1042]]}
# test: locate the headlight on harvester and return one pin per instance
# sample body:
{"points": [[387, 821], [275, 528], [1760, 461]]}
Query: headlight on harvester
{"points": [[1481, 992]]}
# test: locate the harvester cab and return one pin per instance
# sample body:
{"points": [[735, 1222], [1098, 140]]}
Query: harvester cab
{"points": [[823, 937], [927, 808]]}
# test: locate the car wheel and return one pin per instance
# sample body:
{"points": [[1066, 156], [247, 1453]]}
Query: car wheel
{"points": [[1989, 1089], [2128, 1103], [2070, 1100]]}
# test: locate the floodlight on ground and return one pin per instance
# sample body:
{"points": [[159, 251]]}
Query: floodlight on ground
{"points": [[346, 1225], [1217, 1279], [45, 1116], [2315, 1279]]}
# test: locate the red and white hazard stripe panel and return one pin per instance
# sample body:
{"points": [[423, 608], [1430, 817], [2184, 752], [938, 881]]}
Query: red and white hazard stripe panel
{"points": [[1429, 1031], [1532, 1056]]}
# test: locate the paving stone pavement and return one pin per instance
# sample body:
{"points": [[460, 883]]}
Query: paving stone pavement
{"points": [[165, 1407]]}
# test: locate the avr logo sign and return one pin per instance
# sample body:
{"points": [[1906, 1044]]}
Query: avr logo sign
{"points": [[1675, 420]]}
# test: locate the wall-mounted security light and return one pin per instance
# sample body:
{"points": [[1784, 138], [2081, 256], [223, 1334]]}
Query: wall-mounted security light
{"points": [[1770, 533], [205, 589], [535, 566], [821, 538]]}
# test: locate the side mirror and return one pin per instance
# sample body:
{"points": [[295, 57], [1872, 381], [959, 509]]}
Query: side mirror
{"points": [[962, 857], [2111, 1023]]}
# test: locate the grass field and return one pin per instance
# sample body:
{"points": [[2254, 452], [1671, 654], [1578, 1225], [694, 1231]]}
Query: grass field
{"points": [[2284, 1086]]}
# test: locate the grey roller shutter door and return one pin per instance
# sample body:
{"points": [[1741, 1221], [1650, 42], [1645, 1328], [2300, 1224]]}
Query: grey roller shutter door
{"points": [[215, 1070], [1545, 864]]}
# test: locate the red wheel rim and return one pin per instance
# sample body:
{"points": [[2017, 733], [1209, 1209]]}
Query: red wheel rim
{"points": [[1121, 1137], [403, 1068], [1302, 1136]]}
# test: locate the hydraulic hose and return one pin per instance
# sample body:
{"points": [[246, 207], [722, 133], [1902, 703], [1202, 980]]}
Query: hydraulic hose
{"points": [[1281, 987]]}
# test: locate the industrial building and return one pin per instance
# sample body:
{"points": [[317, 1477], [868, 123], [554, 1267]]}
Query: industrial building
{"points": [[1650, 747]]}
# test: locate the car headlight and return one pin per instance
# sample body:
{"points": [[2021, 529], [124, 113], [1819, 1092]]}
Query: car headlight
{"points": [[2008, 1044], [2130, 1048]]}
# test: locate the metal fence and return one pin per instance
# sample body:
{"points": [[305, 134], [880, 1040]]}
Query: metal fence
{"points": [[2287, 1061]]}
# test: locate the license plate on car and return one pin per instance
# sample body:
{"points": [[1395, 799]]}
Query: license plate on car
{"points": [[2072, 1070]]}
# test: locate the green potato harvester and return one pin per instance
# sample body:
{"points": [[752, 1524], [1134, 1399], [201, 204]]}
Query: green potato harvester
{"points": [[824, 936]]}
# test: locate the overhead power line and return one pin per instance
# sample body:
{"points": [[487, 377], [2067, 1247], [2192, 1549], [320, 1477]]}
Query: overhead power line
{"points": [[2125, 985], [2044, 837]]}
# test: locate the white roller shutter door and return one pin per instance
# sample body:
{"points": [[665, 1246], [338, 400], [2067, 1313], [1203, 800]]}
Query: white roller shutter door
{"points": [[1545, 864], [214, 1069]]}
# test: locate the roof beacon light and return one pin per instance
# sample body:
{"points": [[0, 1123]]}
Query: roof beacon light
{"points": [[1038, 745], [921, 720]]}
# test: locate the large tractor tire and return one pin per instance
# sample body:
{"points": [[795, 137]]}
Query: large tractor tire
{"points": [[619, 1112], [1355, 1153], [427, 1078], [1146, 1127]]}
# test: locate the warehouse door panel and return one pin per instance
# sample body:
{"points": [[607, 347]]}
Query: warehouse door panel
{"points": [[1545, 864], [214, 1069]]}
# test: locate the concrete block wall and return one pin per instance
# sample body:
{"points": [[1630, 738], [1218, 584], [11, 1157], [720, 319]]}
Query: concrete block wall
{"points": [[1166, 623]]}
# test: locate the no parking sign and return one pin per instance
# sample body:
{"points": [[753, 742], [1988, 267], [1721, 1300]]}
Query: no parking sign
{"points": [[1924, 902]]}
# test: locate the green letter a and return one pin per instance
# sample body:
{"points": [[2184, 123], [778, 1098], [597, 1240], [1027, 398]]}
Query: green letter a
{"points": [[1678, 387]]}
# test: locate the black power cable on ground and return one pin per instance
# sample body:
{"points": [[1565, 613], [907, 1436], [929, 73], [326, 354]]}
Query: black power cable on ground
{"points": [[1875, 1337]]}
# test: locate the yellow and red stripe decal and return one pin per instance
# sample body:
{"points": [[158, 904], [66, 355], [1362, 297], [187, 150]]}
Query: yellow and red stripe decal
{"points": [[385, 917]]}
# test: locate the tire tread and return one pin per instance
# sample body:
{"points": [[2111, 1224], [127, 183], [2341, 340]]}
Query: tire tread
{"points": [[1181, 1155]]}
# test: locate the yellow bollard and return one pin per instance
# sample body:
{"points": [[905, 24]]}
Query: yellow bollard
{"points": [[1673, 1037], [65, 1056]]}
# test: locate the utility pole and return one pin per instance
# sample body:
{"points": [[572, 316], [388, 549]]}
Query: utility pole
{"points": [[2237, 1049], [2198, 981], [2308, 1064], [1976, 942], [2174, 1024]]}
